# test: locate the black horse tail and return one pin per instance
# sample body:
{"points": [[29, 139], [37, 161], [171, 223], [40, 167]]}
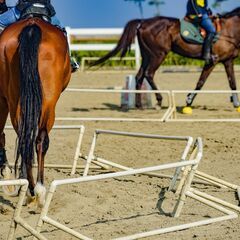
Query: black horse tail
{"points": [[30, 95], [124, 43]]}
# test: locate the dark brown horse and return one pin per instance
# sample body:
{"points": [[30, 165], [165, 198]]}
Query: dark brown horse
{"points": [[160, 35], [34, 70]]}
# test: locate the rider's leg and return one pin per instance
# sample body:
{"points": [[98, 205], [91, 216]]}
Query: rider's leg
{"points": [[211, 32], [74, 64], [9, 17], [3, 7]]}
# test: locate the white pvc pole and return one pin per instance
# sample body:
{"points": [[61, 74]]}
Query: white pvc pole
{"points": [[24, 186], [108, 119], [238, 193], [142, 135], [230, 215], [214, 199], [90, 155], [178, 170], [78, 150], [65, 229], [56, 183], [114, 91], [217, 180]]}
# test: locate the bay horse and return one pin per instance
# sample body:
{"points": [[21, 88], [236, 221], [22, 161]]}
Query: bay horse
{"points": [[159, 35], [34, 71]]}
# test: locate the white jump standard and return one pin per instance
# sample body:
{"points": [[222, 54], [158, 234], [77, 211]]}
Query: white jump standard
{"points": [[17, 219], [184, 190]]}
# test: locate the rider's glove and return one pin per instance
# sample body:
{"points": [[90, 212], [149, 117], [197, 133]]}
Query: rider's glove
{"points": [[209, 11]]}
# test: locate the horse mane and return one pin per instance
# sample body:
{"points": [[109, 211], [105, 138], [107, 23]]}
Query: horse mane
{"points": [[235, 12]]}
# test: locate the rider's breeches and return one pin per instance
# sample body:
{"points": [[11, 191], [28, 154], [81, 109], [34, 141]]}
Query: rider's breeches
{"points": [[13, 14], [9, 17], [207, 24]]}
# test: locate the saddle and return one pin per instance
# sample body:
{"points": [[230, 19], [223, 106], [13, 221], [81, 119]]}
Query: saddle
{"points": [[44, 11], [192, 32]]}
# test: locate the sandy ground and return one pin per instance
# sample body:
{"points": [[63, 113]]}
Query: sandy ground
{"points": [[127, 205]]}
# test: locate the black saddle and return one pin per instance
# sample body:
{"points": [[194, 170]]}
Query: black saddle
{"points": [[36, 9]]}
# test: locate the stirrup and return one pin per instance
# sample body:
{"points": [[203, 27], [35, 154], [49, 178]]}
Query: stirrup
{"points": [[74, 65]]}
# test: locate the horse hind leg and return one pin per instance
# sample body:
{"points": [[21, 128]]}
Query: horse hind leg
{"points": [[5, 169], [139, 81], [149, 74], [42, 145], [4, 113]]}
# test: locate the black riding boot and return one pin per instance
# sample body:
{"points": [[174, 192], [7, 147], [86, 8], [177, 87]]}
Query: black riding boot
{"points": [[74, 63], [207, 47], [3, 8]]}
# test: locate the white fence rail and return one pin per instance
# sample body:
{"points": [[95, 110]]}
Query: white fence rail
{"points": [[97, 33]]}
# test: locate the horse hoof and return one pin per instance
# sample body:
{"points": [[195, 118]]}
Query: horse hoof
{"points": [[238, 109], [40, 193], [31, 202], [158, 107], [187, 110], [139, 107], [11, 191]]}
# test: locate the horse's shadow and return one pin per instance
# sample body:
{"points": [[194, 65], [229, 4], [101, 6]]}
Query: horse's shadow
{"points": [[161, 200], [6, 202], [109, 106], [202, 108], [159, 207]]}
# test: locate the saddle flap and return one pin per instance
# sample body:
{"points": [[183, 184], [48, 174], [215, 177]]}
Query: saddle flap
{"points": [[216, 23], [193, 33]]}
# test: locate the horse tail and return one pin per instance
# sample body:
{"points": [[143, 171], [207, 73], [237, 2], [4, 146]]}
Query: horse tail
{"points": [[124, 43], [30, 94]]}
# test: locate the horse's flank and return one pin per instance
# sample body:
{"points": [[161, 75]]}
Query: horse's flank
{"points": [[52, 55], [35, 69]]}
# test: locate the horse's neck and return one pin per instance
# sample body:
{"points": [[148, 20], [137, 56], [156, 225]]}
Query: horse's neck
{"points": [[231, 29]]}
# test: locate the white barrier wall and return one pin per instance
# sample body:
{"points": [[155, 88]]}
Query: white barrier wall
{"points": [[99, 32]]}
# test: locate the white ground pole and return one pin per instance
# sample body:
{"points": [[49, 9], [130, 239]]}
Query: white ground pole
{"points": [[186, 186], [78, 153], [97, 132], [221, 183], [17, 219], [102, 33], [168, 93], [92, 159], [205, 178], [172, 116]]}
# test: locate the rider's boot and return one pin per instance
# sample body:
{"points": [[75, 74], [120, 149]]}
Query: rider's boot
{"points": [[74, 63], [3, 7], [207, 47], [1, 28]]}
